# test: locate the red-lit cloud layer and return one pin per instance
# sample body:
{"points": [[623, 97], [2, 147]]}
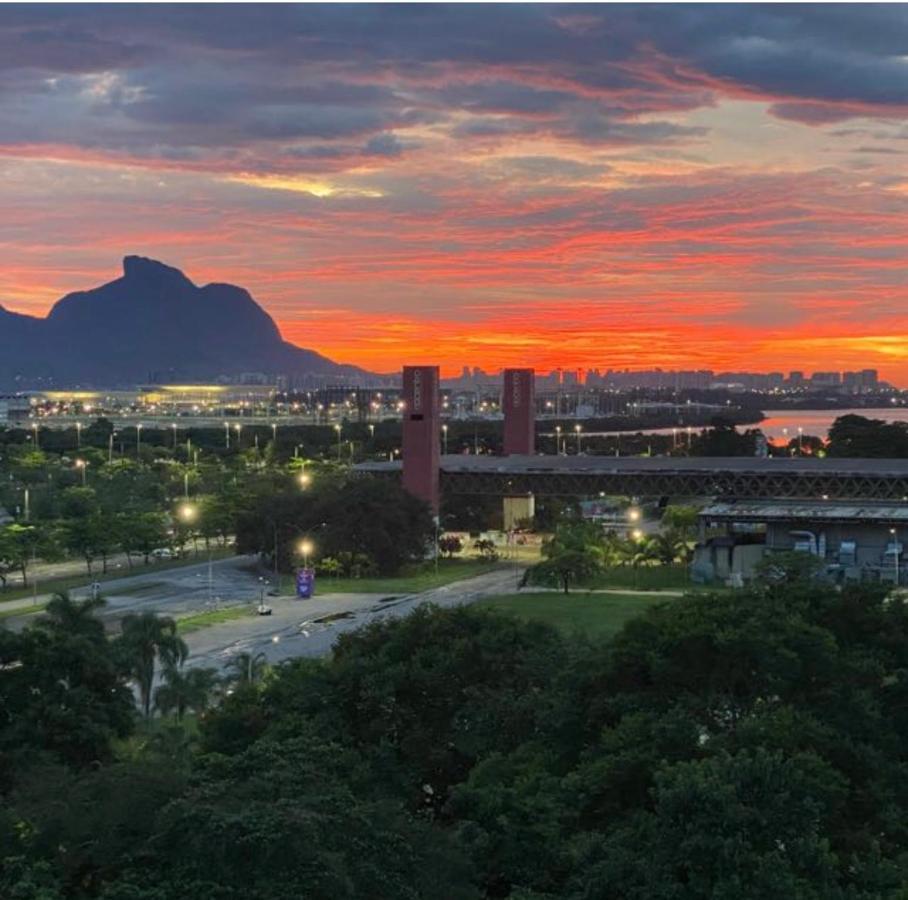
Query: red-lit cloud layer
{"points": [[622, 186]]}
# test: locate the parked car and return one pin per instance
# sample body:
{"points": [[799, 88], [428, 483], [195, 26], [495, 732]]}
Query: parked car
{"points": [[162, 553]]}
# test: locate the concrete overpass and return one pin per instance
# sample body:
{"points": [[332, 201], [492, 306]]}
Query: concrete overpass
{"points": [[741, 477]]}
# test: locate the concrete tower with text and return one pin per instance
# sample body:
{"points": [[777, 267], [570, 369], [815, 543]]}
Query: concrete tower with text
{"points": [[421, 433], [518, 402]]}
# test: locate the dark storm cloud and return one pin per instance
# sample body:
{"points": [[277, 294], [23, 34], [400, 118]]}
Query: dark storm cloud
{"points": [[203, 76]]}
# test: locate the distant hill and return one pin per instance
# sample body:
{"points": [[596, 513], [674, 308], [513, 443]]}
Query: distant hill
{"points": [[153, 323]]}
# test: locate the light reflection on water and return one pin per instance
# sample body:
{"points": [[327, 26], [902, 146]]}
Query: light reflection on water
{"points": [[813, 421]]}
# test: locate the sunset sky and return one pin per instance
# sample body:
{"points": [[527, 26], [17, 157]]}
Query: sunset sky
{"points": [[591, 186]]}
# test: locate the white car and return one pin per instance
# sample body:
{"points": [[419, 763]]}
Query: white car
{"points": [[162, 553]]}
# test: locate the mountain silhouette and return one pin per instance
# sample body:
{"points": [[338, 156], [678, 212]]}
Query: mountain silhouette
{"points": [[151, 324]]}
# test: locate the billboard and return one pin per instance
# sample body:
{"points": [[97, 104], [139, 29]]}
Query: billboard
{"points": [[305, 583]]}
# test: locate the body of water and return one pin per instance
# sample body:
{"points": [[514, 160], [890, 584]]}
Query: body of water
{"points": [[780, 425], [783, 424]]}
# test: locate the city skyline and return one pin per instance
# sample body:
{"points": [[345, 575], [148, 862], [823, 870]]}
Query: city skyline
{"points": [[633, 187]]}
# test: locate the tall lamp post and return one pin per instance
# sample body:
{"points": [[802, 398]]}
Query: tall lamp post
{"points": [[81, 466], [78, 435], [557, 440], [578, 428], [339, 430], [444, 436], [138, 438], [895, 553]]}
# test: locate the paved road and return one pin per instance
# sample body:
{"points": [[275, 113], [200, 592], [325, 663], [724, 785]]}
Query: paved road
{"points": [[171, 591], [299, 627], [295, 628]]}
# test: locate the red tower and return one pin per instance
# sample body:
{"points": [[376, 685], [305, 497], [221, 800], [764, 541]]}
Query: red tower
{"points": [[421, 427], [519, 404]]}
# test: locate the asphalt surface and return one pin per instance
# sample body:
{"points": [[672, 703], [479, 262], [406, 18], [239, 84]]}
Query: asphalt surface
{"points": [[295, 627], [310, 627]]}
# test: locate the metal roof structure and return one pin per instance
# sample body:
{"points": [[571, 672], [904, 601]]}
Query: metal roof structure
{"points": [[640, 476], [822, 511]]}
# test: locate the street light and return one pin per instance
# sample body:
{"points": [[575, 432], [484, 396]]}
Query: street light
{"points": [[78, 435], [304, 479], [444, 434], [227, 435], [306, 549], [81, 466], [633, 514], [174, 427], [274, 433], [578, 429], [187, 512], [338, 429], [138, 438], [557, 440], [895, 553], [371, 432], [800, 437]]}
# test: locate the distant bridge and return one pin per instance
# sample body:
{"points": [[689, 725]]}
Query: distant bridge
{"points": [[637, 476]]}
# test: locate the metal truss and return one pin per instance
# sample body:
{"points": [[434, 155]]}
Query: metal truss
{"points": [[744, 485]]}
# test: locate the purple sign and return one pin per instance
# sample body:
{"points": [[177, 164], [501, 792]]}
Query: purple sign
{"points": [[305, 583]]}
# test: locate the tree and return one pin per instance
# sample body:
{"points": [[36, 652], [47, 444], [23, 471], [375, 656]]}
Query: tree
{"points": [[486, 549], [367, 517], [853, 435], [141, 533], [450, 545], [573, 553], [247, 668], [62, 693], [723, 439], [19, 545], [90, 536], [748, 825], [184, 690], [146, 638]]}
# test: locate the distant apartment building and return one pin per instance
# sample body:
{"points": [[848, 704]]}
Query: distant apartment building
{"points": [[826, 379]]}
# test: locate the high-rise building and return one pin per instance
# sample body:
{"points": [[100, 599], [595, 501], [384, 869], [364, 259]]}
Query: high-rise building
{"points": [[518, 402], [421, 433]]}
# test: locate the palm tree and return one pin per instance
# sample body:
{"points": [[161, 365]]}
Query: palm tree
{"points": [[185, 690], [146, 638], [73, 617], [248, 669]]}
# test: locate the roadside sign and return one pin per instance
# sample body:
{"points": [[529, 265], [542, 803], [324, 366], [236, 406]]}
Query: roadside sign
{"points": [[305, 583]]}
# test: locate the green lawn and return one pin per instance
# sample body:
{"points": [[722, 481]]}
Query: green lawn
{"points": [[643, 578], [410, 581], [593, 615], [22, 611], [188, 624]]}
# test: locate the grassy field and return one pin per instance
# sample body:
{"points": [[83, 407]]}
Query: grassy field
{"points": [[593, 615], [68, 582], [643, 578], [22, 611], [188, 624], [410, 581]]}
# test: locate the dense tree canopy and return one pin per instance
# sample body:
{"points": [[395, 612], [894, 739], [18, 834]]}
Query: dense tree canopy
{"points": [[737, 745]]}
